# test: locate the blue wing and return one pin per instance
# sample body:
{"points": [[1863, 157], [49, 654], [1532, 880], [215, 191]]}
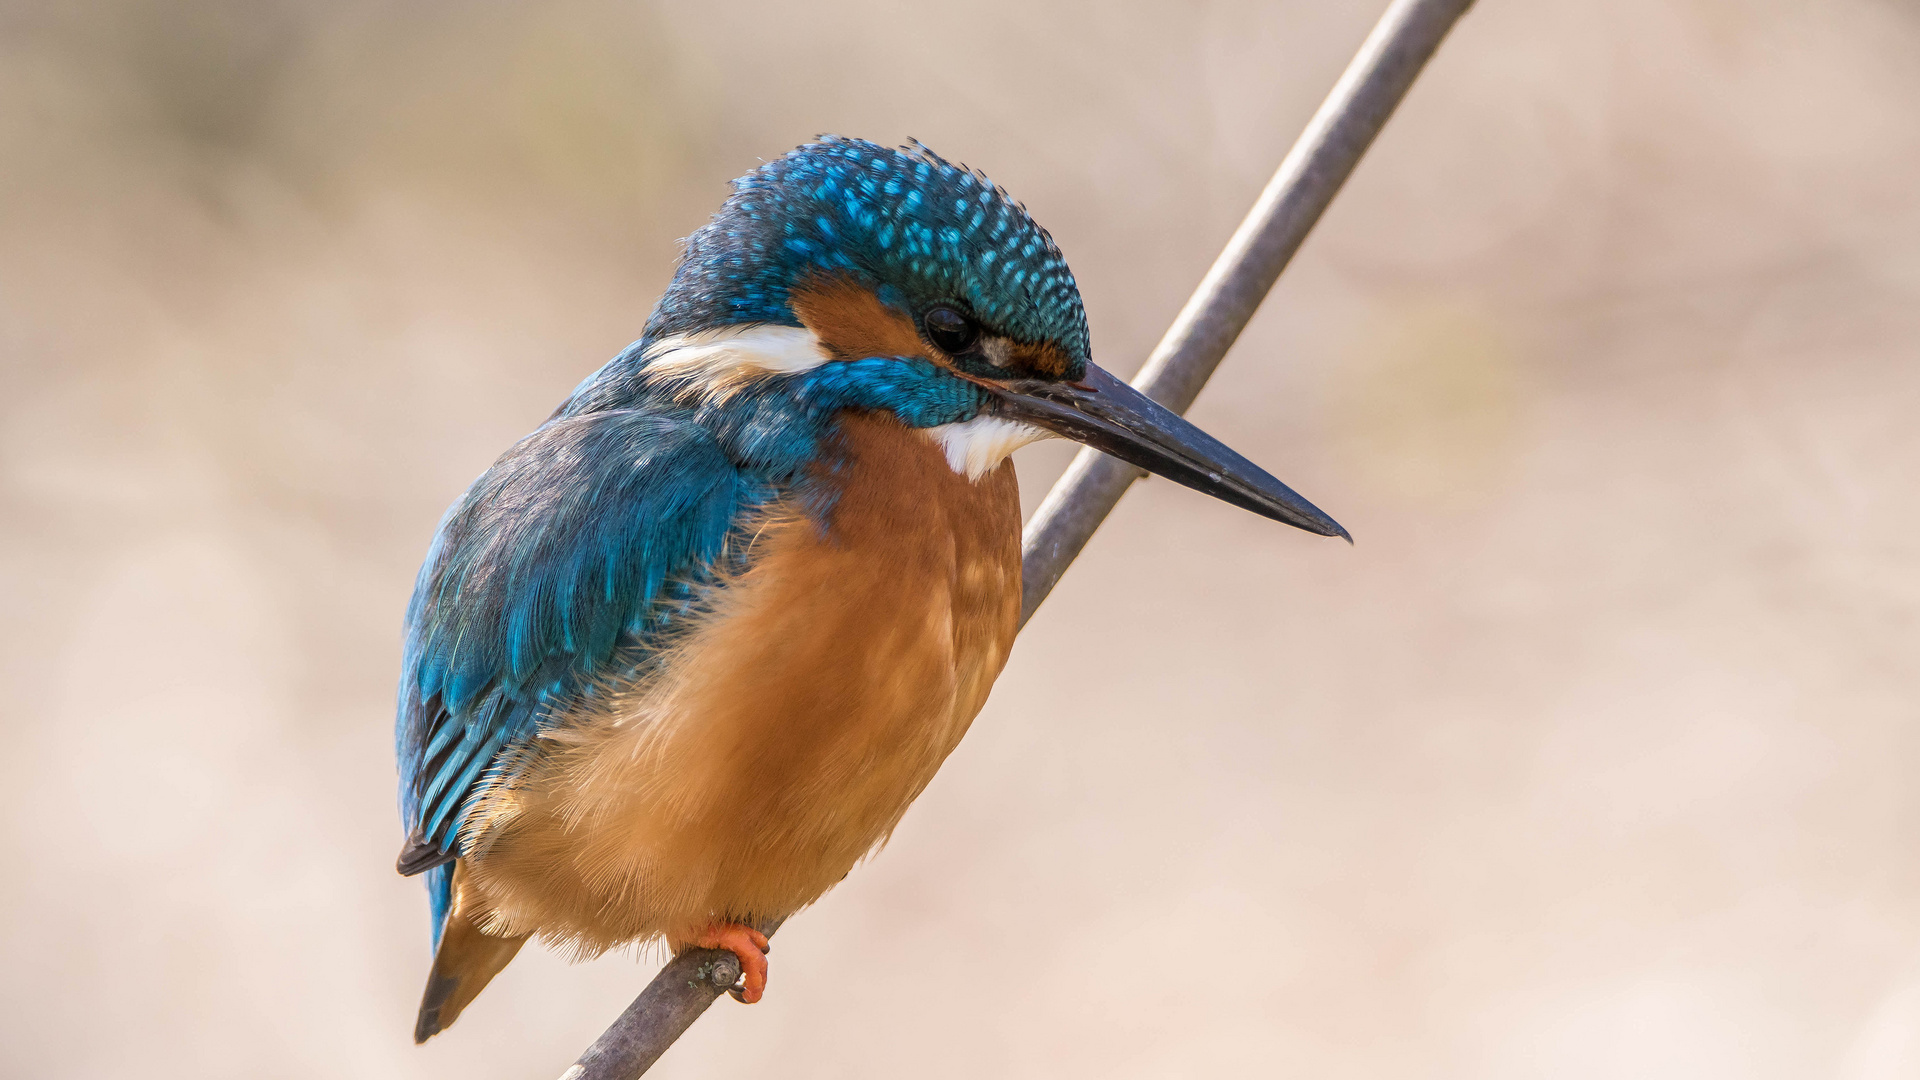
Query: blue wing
{"points": [[558, 567]]}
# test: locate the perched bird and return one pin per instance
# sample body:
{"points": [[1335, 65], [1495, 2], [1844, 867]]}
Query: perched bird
{"points": [[687, 652]]}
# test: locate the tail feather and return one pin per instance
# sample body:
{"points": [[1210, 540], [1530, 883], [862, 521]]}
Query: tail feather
{"points": [[463, 963]]}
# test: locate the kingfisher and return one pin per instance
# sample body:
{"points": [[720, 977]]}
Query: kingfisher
{"points": [[686, 653]]}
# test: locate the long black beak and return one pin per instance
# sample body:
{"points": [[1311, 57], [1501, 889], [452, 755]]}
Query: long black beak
{"points": [[1102, 412]]}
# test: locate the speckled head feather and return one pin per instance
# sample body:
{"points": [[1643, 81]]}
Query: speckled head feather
{"points": [[907, 223]]}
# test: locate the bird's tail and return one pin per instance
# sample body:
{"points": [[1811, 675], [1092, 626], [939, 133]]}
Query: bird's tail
{"points": [[463, 963]]}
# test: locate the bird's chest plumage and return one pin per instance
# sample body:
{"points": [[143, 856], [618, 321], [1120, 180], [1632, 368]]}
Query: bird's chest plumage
{"points": [[784, 736]]}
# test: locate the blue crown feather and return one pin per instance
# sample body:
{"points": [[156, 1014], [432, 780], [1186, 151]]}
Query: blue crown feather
{"points": [[903, 218], [912, 226]]}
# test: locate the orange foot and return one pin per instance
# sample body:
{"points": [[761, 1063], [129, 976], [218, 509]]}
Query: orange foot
{"points": [[749, 946]]}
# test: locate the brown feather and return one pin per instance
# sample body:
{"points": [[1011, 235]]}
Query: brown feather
{"points": [[852, 323], [463, 965]]}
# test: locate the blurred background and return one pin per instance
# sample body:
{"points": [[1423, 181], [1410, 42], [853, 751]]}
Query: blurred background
{"points": [[1594, 758]]}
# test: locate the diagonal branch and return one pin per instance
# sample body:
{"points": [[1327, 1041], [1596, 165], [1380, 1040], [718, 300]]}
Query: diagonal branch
{"points": [[1306, 182]]}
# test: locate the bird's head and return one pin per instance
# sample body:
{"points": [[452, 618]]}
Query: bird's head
{"points": [[890, 280]]}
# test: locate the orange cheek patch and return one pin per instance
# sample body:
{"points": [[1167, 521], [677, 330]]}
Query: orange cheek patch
{"points": [[852, 323]]}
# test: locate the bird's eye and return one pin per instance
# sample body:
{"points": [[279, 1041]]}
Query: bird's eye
{"points": [[953, 332]]}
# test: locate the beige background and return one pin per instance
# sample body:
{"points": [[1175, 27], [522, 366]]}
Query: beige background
{"points": [[1594, 758]]}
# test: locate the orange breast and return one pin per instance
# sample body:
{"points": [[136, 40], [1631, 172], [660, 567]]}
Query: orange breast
{"points": [[788, 734]]}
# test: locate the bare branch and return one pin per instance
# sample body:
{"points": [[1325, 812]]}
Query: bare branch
{"points": [[1303, 186], [666, 1008]]}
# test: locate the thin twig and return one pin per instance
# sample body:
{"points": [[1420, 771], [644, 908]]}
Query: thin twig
{"points": [[1313, 172]]}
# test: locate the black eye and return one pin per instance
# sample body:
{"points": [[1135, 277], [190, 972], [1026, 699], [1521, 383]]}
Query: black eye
{"points": [[953, 332]]}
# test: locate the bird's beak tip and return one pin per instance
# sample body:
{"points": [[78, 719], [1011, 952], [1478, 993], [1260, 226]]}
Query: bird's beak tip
{"points": [[1103, 412]]}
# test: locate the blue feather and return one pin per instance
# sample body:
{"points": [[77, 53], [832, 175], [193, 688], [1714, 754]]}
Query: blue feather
{"points": [[439, 899]]}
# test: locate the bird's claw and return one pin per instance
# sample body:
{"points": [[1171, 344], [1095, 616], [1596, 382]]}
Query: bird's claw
{"points": [[750, 947]]}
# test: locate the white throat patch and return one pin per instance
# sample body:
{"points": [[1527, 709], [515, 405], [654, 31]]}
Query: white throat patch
{"points": [[976, 447], [717, 363]]}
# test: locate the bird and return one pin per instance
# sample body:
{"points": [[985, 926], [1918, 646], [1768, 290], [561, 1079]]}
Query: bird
{"points": [[685, 654]]}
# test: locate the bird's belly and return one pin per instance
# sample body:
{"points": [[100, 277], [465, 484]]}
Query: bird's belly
{"points": [[788, 734]]}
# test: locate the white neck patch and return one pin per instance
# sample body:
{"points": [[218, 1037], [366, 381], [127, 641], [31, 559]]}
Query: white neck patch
{"points": [[976, 447], [718, 363]]}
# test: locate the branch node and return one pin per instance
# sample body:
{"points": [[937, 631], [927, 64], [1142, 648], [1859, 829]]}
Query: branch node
{"points": [[721, 971]]}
